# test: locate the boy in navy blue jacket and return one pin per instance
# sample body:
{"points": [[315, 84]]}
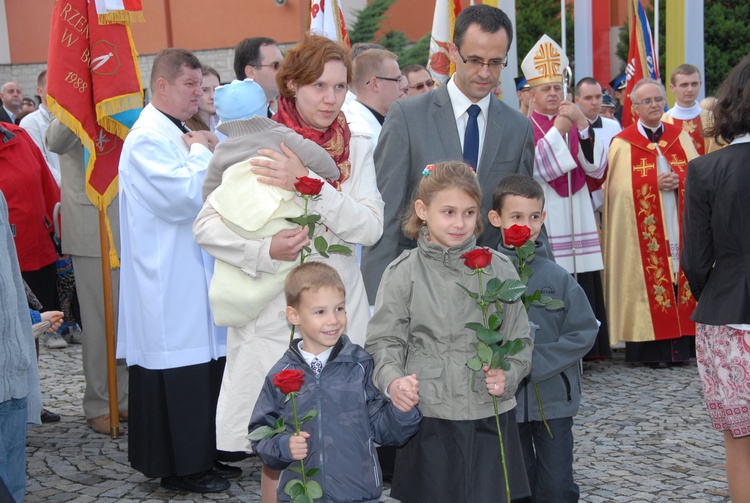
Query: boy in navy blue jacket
{"points": [[564, 337], [352, 415]]}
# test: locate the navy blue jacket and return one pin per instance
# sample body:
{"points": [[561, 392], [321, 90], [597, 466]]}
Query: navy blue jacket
{"points": [[352, 417], [564, 337]]}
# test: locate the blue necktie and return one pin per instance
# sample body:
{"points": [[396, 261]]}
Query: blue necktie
{"points": [[471, 137], [317, 366]]}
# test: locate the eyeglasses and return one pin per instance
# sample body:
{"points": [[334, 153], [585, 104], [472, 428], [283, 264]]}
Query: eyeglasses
{"points": [[422, 85], [478, 63], [658, 100], [391, 79], [275, 65]]}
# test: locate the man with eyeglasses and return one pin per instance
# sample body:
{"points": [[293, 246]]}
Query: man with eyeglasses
{"points": [[259, 58], [648, 298], [566, 153], [457, 121], [685, 83], [420, 80], [376, 82]]}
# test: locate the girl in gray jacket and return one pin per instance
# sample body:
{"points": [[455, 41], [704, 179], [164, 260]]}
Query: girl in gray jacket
{"points": [[418, 331]]}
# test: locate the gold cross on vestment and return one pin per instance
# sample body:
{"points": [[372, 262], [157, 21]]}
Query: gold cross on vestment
{"points": [[677, 162], [643, 167]]}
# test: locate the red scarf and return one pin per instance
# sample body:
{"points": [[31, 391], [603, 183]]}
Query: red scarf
{"points": [[334, 140]]}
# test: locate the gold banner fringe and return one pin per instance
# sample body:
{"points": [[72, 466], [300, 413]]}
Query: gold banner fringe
{"points": [[121, 17], [100, 201]]}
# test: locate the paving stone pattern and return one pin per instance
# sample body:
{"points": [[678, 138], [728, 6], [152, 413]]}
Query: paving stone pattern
{"points": [[642, 435]]}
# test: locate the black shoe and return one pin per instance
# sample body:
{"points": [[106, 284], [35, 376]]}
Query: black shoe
{"points": [[49, 417], [205, 482], [226, 471], [659, 365]]}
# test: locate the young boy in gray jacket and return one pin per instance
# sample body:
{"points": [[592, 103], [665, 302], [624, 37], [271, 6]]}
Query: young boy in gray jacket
{"points": [[564, 336], [352, 415]]}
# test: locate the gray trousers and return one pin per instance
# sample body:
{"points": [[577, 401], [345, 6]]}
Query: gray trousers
{"points": [[88, 272]]}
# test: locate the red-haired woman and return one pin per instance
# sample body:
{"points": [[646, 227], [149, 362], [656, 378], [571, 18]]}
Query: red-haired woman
{"points": [[312, 81]]}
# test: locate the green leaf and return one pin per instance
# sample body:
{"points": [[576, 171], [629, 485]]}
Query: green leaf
{"points": [[296, 469], [511, 290], [474, 364], [476, 327], [527, 250], [484, 352], [495, 320], [489, 337], [555, 304], [514, 346], [344, 250], [306, 249], [525, 275], [473, 295], [489, 298], [313, 472], [314, 490], [294, 487], [503, 364], [261, 432], [302, 498], [496, 360], [310, 414], [537, 295], [313, 219], [499, 311], [321, 245], [493, 286], [301, 221]]}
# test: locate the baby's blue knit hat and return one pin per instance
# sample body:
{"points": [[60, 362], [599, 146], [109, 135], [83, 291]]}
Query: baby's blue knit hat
{"points": [[241, 99]]}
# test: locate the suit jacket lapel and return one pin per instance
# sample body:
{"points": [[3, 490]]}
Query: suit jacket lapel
{"points": [[445, 123], [492, 134]]}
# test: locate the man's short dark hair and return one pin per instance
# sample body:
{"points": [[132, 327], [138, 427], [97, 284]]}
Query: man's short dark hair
{"points": [[247, 52], [490, 20], [412, 68], [591, 81], [169, 62]]}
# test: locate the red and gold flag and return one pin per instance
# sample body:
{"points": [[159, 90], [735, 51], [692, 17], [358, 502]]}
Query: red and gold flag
{"points": [[94, 88]]}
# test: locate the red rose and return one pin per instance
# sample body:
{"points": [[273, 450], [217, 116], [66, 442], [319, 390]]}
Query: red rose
{"points": [[516, 235], [289, 381], [478, 258], [308, 186]]}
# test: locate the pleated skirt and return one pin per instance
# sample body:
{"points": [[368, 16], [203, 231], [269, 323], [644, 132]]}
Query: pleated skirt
{"points": [[459, 461]]}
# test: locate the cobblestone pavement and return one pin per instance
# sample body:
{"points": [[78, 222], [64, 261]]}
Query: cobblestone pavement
{"points": [[642, 435]]}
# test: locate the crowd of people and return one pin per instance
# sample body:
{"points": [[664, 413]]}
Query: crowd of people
{"points": [[330, 194]]}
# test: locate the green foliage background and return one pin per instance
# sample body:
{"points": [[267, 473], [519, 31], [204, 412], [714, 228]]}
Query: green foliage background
{"points": [[726, 38], [726, 34]]}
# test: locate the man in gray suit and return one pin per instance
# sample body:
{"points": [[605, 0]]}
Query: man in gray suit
{"points": [[432, 127], [80, 238]]}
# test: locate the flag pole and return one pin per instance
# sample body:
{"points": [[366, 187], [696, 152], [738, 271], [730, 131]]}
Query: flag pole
{"points": [[562, 30], [109, 324]]}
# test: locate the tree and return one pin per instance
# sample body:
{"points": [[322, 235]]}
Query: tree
{"points": [[368, 24], [726, 39], [534, 18], [369, 20]]}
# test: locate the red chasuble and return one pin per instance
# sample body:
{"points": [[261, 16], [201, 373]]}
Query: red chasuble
{"points": [[670, 314]]}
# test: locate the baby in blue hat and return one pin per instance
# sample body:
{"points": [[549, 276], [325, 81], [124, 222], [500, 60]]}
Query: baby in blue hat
{"points": [[251, 209]]}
